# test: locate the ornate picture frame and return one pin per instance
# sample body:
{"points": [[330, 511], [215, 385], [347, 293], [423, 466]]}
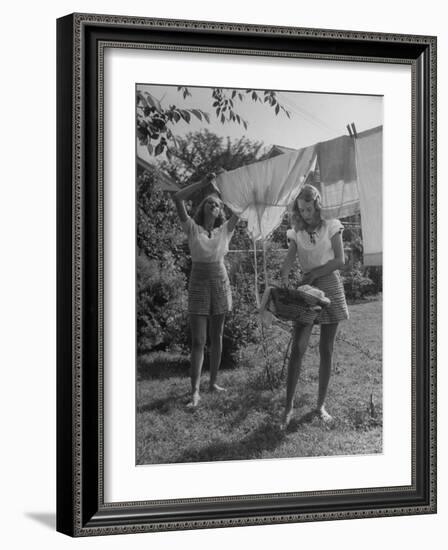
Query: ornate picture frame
{"points": [[81, 506]]}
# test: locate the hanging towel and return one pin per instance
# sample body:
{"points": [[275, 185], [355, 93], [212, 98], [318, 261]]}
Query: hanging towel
{"points": [[262, 191], [337, 166], [369, 162]]}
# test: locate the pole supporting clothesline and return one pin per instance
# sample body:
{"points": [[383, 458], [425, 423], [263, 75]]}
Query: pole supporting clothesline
{"points": [[257, 293], [265, 271]]}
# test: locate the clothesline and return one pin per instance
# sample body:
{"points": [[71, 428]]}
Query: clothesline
{"points": [[351, 182]]}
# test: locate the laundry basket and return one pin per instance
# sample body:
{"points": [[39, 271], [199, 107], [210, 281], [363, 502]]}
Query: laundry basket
{"points": [[301, 305]]}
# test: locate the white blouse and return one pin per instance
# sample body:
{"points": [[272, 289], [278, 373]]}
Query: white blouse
{"points": [[315, 250], [204, 248]]}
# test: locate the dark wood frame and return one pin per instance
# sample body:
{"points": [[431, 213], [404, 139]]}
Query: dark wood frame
{"points": [[81, 510]]}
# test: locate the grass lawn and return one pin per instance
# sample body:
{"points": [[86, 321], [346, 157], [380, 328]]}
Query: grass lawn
{"points": [[243, 422]]}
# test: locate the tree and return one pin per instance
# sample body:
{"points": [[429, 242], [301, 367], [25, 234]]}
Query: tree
{"points": [[161, 269], [154, 121], [155, 210], [162, 265]]}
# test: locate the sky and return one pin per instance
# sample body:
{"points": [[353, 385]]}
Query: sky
{"points": [[314, 116]]}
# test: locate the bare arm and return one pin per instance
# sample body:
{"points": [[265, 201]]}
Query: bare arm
{"points": [[233, 220], [182, 195], [288, 262], [337, 263]]}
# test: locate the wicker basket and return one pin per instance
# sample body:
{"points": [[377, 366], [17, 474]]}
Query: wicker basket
{"points": [[294, 305]]}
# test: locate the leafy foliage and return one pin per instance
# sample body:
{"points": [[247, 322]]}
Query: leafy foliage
{"points": [[240, 328], [200, 153], [156, 211], [359, 280], [154, 122], [163, 262], [356, 284], [161, 266], [161, 304]]}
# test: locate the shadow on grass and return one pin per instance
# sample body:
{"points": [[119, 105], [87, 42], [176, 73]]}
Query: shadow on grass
{"points": [[306, 418], [265, 438], [248, 402], [162, 406], [161, 366], [268, 401]]}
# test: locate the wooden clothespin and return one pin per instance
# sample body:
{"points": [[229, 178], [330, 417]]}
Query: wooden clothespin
{"points": [[355, 133], [349, 130]]}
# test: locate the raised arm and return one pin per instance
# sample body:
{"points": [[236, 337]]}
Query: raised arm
{"points": [[182, 195], [233, 220], [288, 262]]}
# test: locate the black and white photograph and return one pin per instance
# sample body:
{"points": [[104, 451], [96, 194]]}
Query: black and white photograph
{"points": [[259, 273], [222, 239]]}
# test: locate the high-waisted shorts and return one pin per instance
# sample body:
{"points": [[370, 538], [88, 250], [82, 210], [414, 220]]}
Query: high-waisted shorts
{"points": [[334, 290], [209, 289], [334, 313]]}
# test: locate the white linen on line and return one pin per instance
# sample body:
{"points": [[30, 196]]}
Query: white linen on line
{"points": [[369, 164], [261, 192]]}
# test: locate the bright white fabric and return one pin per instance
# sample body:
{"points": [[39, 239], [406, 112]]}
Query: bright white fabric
{"points": [[204, 248], [261, 192], [339, 191], [352, 181], [369, 161], [318, 251]]}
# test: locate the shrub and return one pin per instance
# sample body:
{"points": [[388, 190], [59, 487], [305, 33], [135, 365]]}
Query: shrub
{"points": [[241, 324], [375, 273], [161, 304], [356, 284]]}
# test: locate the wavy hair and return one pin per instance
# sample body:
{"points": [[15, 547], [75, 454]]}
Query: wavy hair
{"points": [[199, 213], [308, 193]]}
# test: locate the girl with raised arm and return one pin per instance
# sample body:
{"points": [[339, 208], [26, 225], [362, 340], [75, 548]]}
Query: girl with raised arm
{"points": [[209, 294]]}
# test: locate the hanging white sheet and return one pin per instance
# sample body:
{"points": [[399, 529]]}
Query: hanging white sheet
{"points": [[369, 162], [337, 165], [351, 182], [351, 172], [261, 192]]}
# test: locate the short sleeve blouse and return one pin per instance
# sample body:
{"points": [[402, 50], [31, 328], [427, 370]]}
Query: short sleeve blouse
{"points": [[204, 248], [315, 250]]}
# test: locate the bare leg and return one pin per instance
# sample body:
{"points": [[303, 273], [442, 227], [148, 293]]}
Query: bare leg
{"points": [[301, 337], [216, 329], [326, 345], [198, 325]]}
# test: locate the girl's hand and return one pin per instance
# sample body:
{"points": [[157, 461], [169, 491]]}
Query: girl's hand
{"points": [[215, 187], [211, 182]]}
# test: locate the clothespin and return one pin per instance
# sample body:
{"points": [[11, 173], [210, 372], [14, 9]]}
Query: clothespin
{"points": [[355, 133], [349, 130]]}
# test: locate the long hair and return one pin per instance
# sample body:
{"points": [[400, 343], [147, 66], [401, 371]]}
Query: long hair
{"points": [[199, 213], [308, 193]]}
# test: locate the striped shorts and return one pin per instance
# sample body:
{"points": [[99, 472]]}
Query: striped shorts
{"points": [[334, 290], [209, 289]]}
